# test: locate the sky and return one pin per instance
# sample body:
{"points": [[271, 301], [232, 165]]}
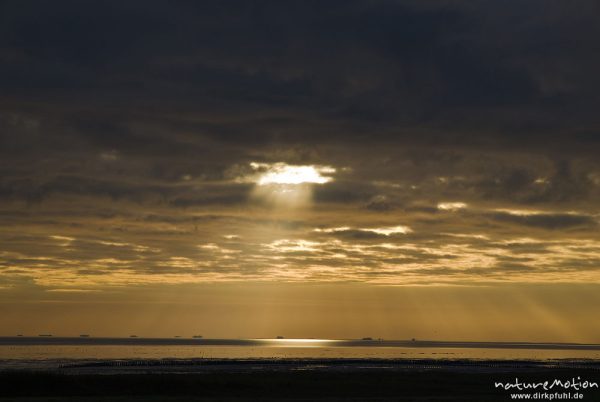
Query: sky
{"points": [[336, 169]]}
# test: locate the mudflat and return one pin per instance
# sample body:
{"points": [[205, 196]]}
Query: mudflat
{"points": [[298, 380]]}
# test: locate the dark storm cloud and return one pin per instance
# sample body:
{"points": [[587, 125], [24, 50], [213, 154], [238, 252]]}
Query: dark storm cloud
{"points": [[380, 203], [561, 183], [226, 83], [348, 191], [372, 67]]}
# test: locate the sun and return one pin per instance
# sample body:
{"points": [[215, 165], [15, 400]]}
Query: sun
{"points": [[280, 184], [281, 173]]}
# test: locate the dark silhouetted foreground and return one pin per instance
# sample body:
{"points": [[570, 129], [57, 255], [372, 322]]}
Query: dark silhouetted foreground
{"points": [[350, 381]]}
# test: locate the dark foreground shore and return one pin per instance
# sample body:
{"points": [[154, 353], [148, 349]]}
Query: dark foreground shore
{"points": [[297, 380]]}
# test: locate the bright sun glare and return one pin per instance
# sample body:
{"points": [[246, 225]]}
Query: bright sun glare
{"points": [[289, 186], [281, 173]]}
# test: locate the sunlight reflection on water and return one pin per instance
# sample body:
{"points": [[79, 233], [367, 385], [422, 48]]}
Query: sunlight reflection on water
{"points": [[278, 349]]}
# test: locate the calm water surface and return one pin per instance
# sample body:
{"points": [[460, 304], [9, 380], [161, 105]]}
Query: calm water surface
{"points": [[147, 348]]}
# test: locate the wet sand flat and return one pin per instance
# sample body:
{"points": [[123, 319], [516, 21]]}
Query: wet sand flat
{"points": [[287, 380]]}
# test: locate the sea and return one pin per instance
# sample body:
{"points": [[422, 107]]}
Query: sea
{"points": [[48, 351]]}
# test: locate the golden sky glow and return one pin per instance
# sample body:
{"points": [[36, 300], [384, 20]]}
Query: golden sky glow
{"points": [[393, 169], [281, 237]]}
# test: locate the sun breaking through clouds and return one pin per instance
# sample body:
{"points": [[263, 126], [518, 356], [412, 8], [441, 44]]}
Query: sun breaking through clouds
{"points": [[281, 173], [287, 186]]}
